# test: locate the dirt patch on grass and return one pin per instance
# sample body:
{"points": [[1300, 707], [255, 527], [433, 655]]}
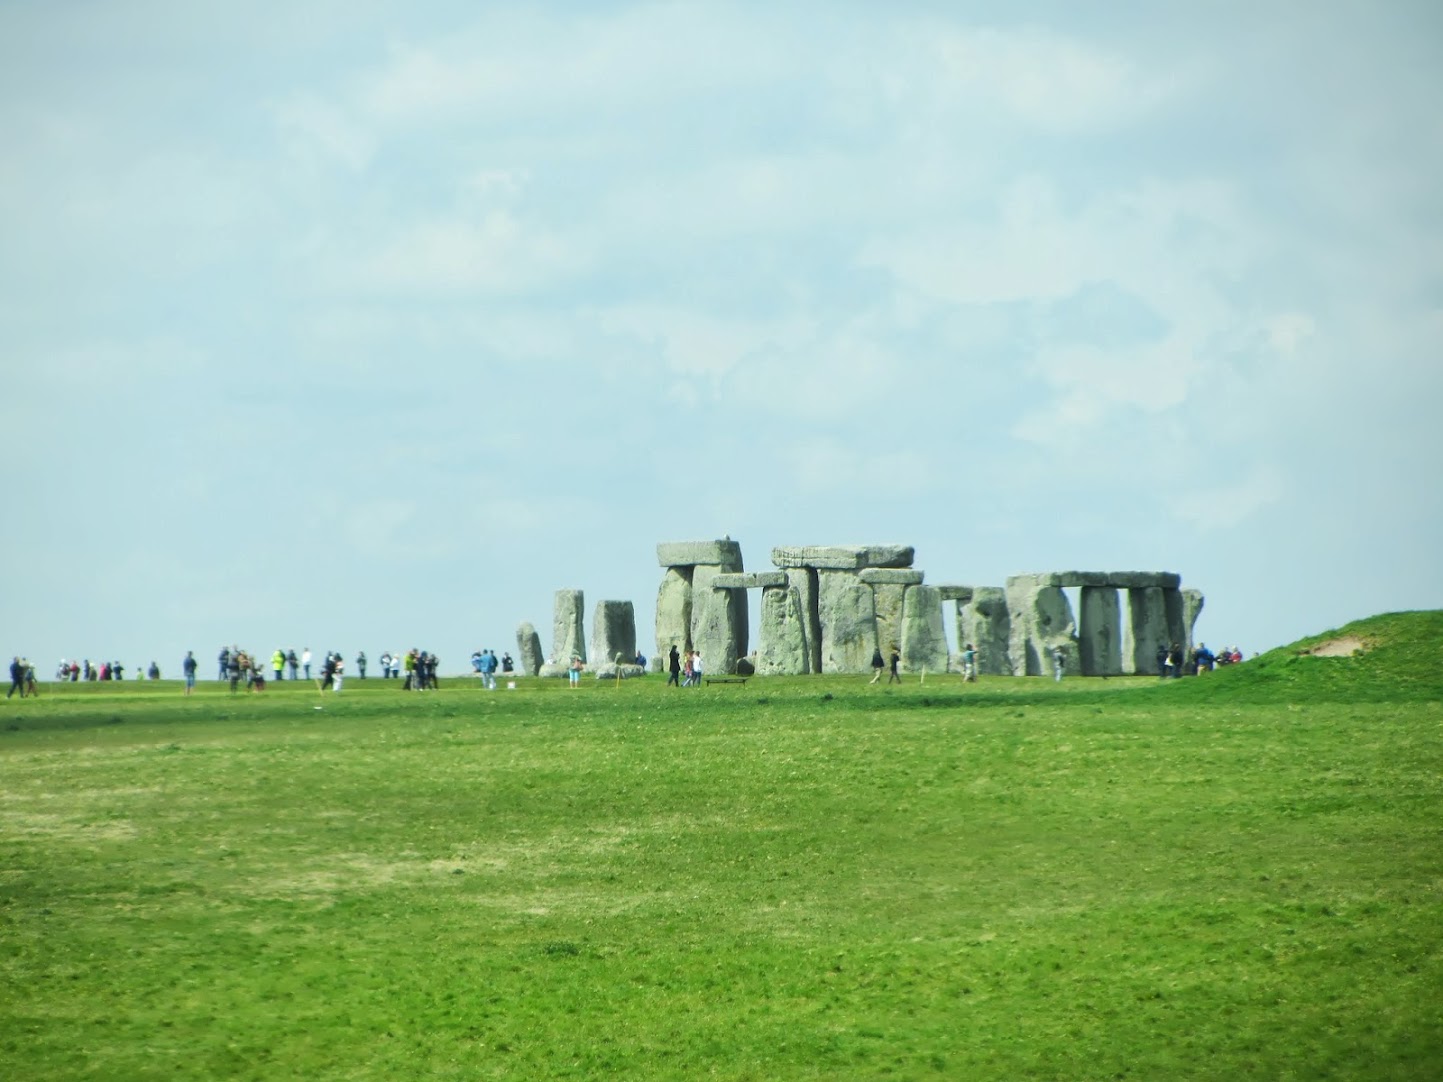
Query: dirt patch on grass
{"points": [[1347, 646]]}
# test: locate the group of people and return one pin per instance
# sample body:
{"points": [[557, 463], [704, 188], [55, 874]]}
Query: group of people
{"points": [[1173, 661], [22, 677], [683, 672], [485, 664], [74, 671], [878, 665]]}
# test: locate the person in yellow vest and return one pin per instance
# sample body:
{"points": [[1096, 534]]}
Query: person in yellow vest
{"points": [[278, 663]]}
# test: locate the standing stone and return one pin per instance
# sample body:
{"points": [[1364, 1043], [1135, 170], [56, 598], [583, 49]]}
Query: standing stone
{"points": [[804, 581], [568, 635], [1192, 606], [673, 611], [718, 622], [1041, 619], [528, 649], [1146, 630], [887, 600], [1099, 640], [613, 632], [924, 642], [1177, 630], [849, 622], [987, 625], [783, 650]]}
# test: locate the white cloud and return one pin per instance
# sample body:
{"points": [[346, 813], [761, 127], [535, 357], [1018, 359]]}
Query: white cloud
{"points": [[1230, 502]]}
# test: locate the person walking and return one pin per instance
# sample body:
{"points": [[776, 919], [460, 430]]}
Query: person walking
{"points": [[696, 668], [187, 668], [896, 658], [673, 666], [969, 664], [877, 665], [1059, 663], [338, 672], [17, 677]]}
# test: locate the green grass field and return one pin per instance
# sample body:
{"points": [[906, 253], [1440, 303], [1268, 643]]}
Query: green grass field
{"points": [[1239, 875]]}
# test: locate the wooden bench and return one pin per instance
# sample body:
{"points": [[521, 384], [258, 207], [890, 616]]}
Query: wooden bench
{"points": [[726, 679]]}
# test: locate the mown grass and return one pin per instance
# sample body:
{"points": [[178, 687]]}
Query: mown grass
{"points": [[1234, 876]]}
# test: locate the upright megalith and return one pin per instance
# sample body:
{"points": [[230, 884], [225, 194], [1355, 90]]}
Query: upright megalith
{"points": [[782, 649], [889, 587], [924, 642], [1192, 606], [1177, 628], [1099, 637], [1042, 620], [986, 624], [805, 581], [1146, 630], [718, 621], [528, 649], [849, 623], [568, 633], [613, 633], [673, 611]]}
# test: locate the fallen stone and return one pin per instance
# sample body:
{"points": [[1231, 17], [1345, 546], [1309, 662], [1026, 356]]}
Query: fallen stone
{"points": [[610, 670]]}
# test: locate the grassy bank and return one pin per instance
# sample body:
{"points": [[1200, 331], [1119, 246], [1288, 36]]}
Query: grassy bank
{"points": [[1237, 875]]}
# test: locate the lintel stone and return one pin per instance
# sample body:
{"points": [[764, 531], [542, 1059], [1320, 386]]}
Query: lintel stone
{"points": [[725, 553], [749, 580], [890, 576], [956, 593], [843, 557]]}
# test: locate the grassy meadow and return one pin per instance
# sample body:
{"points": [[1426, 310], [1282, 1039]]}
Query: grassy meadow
{"points": [[1233, 876]]}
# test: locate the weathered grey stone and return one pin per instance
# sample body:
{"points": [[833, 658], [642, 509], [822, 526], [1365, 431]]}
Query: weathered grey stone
{"points": [[955, 593], [725, 554], [528, 650], [1141, 580], [1041, 619], [843, 557], [1146, 630], [718, 622], [1192, 606], [1176, 627], [1099, 637], [568, 635], [849, 622], [1122, 580], [783, 649], [987, 625], [609, 671], [924, 643], [673, 611], [890, 576], [887, 599], [748, 580], [613, 633], [804, 581], [553, 670]]}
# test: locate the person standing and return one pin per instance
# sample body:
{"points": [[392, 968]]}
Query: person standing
{"points": [[187, 668], [306, 661], [292, 662], [361, 664], [573, 671], [673, 666], [896, 658], [278, 664], [1059, 662], [969, 664], [338, 672], [877, 665], [17, 677], [696, 668], [223, 658]]}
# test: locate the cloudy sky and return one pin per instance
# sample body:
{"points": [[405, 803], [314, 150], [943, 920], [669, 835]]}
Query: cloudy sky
{"points": [[370, 325]]}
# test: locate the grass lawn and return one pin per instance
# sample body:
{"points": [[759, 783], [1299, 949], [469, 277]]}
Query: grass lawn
{"points": [[1239, 875]]}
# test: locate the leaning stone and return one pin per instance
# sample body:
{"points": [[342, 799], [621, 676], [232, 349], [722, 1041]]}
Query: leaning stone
{"points": [[843, 557], [987, 625], [568, 635], [673, 611], [528, 650], [1099, 637], [725, 554], [613, 633], [1192, 606], [849, 623], [782, 649], [890, 576], [748, 580], [924, 643], [955, 593]]}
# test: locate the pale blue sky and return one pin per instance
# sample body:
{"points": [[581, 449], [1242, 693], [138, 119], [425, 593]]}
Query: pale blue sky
{"points": [[351, 325]]}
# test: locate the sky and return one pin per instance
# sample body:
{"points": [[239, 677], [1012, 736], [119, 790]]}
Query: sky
{"points": [[364, 326]]}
